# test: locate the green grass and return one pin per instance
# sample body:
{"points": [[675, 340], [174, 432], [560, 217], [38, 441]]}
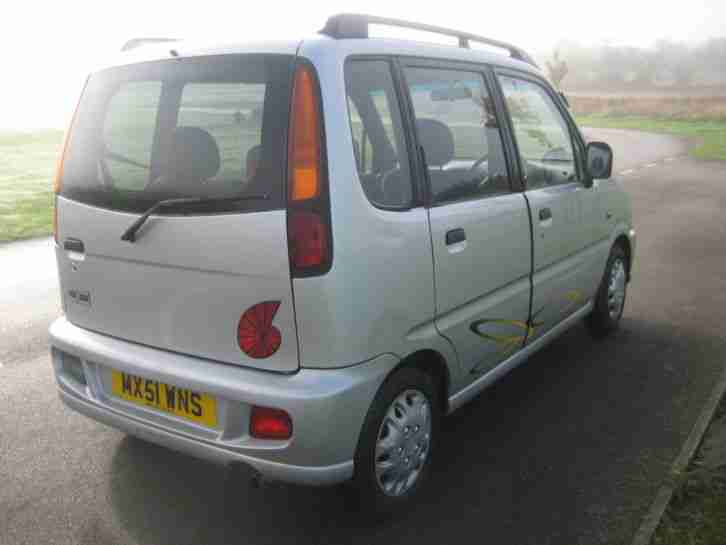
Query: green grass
{"points": [[697, 513], [27, 165], [712, 134]]}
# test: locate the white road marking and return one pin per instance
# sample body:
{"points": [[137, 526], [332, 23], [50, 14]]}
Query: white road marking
{"points": [[651, 165], [627, 172], [670, 159]]}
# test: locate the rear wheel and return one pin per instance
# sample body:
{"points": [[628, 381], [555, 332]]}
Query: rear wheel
{"points": [[394, 453], [610, 298]]}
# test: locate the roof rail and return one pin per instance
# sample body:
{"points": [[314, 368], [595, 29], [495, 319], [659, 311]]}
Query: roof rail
{"points": [[354, 25], [138, 42]]}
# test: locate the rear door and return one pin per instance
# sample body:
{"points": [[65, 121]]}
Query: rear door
{"points": [[553, 187], [479, 224], [207, 127]]}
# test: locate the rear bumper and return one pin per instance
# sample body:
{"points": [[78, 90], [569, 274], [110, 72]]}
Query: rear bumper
{"points": [[327, 407]]}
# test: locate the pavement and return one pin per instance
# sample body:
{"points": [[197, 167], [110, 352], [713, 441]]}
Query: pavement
{"points": [[570, 448], [29, 299]]}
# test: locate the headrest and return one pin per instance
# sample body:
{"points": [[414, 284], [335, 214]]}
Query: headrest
{"points": [[193, 154], [252, 161], [437, 141]]}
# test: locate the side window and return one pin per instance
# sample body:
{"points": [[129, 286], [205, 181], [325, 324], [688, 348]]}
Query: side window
{"points": [[543, 136], [128, 134], [378, 141], [232, 114], [457, 128], [362, 144]]}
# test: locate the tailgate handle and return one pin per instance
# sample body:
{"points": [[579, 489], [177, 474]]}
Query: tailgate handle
{"points": [[454, 236], [74, 245]]}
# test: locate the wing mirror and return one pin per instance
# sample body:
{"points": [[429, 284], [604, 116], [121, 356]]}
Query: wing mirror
{"points": [[599, 160]]}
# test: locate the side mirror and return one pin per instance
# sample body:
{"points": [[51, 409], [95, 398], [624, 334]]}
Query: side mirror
{"points": [[599, 160]]}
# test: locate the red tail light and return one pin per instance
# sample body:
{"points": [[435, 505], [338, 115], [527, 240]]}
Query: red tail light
{"points": [[256, 335], [266, 423], [308, 223], [308, 240]]}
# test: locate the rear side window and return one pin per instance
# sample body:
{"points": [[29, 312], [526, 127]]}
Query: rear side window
{"points": [[457, 128], [209, 127], [378, 142]]}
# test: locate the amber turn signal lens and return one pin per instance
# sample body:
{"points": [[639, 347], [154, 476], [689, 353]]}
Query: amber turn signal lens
{"points": [[304, 154]]}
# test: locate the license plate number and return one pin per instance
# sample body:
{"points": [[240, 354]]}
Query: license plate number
{"points": [[188, 404]]}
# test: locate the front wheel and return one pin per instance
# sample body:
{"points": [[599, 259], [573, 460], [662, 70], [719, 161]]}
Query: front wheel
{"points": [[610, 298], [395, 449]]}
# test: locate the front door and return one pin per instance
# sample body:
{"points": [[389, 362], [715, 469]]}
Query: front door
{"points": [[554, 185]]}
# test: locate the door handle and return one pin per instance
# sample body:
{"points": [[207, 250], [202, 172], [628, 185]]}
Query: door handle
{"points": [[74, 245], [455, 235], [545, 214]]}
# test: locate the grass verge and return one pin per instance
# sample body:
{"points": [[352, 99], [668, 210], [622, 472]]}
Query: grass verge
{"points": [[27, 163], [712, 133], [697, 512]]}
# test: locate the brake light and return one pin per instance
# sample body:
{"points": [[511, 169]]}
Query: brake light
{"points": [[266, 423], [256, 335], [308, 223], [304, 137], [308, 240]]}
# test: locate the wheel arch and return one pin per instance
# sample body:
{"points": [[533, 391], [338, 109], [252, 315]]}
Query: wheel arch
{"points": [[434, 364]]}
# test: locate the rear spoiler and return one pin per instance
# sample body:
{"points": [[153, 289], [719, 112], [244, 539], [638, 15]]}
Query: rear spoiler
{"points": [[138, 42]]}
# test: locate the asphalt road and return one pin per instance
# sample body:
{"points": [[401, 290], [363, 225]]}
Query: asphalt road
{"points": [[570, 448]]}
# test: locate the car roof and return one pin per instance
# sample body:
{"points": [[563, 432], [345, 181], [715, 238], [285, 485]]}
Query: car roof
{"points": [[317, 45]]}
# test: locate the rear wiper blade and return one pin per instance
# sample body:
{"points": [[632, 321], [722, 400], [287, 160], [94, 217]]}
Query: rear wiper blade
{"points": [[130, 233]]}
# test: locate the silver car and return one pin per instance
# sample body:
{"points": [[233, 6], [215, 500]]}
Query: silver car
{"points": [[299, 256]]}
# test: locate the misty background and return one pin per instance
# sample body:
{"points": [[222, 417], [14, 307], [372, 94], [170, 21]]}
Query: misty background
{"points": [[47, 48], [650, 65]]}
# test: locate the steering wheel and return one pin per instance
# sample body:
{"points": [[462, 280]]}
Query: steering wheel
{"points": [[473, 169], [385, 176]]}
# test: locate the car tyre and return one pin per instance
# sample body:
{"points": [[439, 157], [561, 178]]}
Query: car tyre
{"points": [[396, 445], [611, 295]]}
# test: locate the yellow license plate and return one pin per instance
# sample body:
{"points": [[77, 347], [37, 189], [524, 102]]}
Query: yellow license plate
{"points": [[197, 407]]}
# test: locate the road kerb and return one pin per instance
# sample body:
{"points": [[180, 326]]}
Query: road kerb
{"points": [[652, 519]]}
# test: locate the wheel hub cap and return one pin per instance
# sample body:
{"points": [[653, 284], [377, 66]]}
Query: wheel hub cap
{"points": [[616, 289], [404, 442]]}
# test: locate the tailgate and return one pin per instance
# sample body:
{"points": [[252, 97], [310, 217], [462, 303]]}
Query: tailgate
{"points": [[210, 129]]}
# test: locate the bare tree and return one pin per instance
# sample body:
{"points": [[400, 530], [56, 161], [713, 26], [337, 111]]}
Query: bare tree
{"points": [[557, 69]]}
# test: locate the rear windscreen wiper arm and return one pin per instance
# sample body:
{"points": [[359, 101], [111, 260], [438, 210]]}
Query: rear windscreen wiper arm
{"points": [[130, 233]]}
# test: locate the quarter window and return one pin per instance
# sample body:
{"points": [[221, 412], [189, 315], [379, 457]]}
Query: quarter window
{"points": [[378, 143], [458, 130], [543, 136]]}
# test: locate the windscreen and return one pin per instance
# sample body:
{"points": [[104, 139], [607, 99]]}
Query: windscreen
{"points": [[204, 127]]}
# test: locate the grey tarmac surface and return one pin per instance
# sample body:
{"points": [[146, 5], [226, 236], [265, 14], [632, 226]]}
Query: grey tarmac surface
{"points": [[570, 448]]}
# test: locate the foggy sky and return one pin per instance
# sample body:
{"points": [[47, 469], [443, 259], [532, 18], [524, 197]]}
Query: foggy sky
{"points": [[47, 47]]}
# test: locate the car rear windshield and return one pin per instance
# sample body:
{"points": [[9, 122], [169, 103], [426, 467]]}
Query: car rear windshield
{"points": [[203, 127]]}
